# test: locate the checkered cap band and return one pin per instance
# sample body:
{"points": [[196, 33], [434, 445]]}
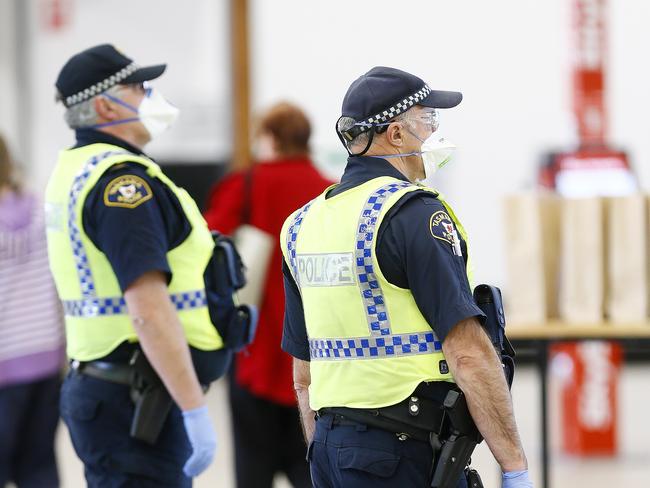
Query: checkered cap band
{"points": [[292, 236], [392, 112], [393, 345], [102, 86], [86, 281], [371, 292], [96, 307]]}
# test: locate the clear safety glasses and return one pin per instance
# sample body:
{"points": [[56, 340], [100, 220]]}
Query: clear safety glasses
{"points": [[430, 118]]}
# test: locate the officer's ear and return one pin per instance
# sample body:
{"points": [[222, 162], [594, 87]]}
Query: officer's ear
{"points": [[105, 108], [395, 134]]}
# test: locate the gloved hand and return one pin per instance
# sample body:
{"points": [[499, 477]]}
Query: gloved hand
{"points": [[203, 438], [516, 479]]}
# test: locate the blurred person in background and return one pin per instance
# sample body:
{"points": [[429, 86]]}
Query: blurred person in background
{"points": [[31, 339], [129, 252], [252, 204], [380, 315]]}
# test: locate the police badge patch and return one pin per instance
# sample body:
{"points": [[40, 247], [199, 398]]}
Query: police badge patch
{"points": [[127, 191], [443, 228]]}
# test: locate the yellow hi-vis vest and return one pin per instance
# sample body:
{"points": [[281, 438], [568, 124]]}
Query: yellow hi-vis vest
{"points": [[96, 315], [369, 344]]}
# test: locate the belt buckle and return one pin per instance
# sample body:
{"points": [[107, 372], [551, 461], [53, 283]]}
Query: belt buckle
{"points": [[76, 365]]}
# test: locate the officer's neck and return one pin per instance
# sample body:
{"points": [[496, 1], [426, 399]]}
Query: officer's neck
{"points": [[400, 163], [127, 135]]}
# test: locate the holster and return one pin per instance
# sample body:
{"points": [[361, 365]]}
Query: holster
{"points": [[456, 445], [151, 398], [488, 299]]}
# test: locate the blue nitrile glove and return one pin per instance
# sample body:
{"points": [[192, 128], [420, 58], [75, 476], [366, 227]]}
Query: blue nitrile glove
{"points": [[203, 438], [516, 479]]}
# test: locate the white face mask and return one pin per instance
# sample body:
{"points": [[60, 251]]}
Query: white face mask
{"points": [[435, 154], [156, 113]]}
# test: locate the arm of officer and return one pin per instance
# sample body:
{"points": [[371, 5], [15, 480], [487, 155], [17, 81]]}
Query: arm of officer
{"points": [[162, 338], [296, 343], [420, 249], [478, 372], [301, 382], [136, 237]]}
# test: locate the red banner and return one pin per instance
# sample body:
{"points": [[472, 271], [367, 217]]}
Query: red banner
{"points": [[589, 71]]}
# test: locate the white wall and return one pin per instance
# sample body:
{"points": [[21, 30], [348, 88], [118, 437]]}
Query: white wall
{"points": [[510, 58], [190, 36], [8, 118]]}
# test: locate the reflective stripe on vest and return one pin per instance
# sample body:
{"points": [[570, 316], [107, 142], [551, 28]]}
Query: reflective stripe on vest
{"points": [[84, 273], [380, 342], [292, 235], [95, 307]]}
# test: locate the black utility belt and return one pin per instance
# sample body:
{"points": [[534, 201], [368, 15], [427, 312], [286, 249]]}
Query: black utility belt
{"points": [[414, 417], [121, 373]]}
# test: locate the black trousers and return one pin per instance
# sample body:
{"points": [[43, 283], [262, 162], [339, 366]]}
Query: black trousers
{"points": [[268, 440], [29, 414]]}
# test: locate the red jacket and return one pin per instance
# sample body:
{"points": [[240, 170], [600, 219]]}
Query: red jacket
{"points": [[277, 189]]}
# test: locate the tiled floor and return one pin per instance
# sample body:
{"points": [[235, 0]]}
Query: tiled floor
{"points": [[630, 469]]}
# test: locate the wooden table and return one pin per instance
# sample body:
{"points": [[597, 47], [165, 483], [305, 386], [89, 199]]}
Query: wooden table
{"points": [[534, 341]]}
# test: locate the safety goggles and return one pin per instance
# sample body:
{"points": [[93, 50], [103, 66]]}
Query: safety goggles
{"points": [[430, 118]]}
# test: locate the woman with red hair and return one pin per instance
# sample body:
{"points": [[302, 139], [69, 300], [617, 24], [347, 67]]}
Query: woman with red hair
{"points": [[254, 204]]}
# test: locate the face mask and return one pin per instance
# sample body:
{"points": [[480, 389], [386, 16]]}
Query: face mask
{"points": [[155, 113], [435, 154]]}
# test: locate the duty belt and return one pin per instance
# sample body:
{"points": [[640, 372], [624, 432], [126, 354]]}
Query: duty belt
{"points": [[415, 417], [121, 373]]}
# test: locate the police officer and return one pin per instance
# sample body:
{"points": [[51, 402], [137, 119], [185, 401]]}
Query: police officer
{"points": [[380, 317], [128, 250]]}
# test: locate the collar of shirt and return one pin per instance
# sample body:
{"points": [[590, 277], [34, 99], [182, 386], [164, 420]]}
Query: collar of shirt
{"points": [[364, 168], [91, 136]]}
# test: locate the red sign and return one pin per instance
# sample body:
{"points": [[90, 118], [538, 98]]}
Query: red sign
{"points": [[588, 72], [589, 396], [56, 14]]}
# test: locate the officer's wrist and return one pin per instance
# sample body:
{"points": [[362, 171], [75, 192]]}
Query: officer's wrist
{"points": [[520, 464], [511, 468]]}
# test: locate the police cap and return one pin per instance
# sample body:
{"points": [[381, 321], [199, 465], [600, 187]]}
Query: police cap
{"points": [[97, 69], [383, 93]]}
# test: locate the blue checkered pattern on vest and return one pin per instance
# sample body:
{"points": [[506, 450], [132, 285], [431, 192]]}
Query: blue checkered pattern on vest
{"points": [[95, 307], [84, 273], [374, 347], [371, 294], [292, 235]]}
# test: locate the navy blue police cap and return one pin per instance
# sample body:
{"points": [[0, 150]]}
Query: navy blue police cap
{"points": [[383, 93], [97, 69]]}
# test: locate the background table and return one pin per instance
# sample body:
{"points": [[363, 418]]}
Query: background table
{"points": [[532, 342]]}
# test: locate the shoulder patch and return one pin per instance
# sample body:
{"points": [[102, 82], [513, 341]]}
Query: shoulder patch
{"points": [[442, 227], [127, 191]]}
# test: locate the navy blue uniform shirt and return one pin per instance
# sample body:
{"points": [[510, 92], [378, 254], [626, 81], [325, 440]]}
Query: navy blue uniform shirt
{"points": [[134, 238], [410, 254]]}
